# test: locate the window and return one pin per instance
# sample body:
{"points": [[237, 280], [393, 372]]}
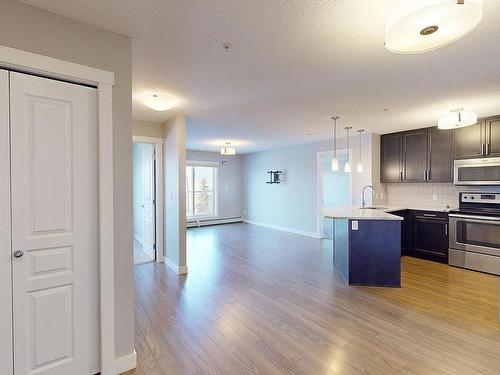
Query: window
{"points": [[201, 191]]}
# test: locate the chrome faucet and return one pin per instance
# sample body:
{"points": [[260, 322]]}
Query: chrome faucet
{"points": [[363, 203]]}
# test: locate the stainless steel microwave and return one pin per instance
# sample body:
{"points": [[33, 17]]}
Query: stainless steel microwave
{"points": [[484, 171]]}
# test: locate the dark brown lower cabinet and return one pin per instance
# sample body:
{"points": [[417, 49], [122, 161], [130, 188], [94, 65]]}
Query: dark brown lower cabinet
{"points": [[427, 235]]}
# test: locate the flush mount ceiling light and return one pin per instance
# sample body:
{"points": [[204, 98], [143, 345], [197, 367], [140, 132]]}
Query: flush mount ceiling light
{"points": [[226, 150], [158, 101], [457, 119], [424, 25]]}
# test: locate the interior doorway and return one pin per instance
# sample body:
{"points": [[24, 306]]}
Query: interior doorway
{"points": [[146, 166], [334, 187]]}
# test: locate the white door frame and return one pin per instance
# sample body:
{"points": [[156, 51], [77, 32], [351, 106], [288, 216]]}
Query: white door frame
{"points": [[319, 186], [27, 62], [158, 145]]}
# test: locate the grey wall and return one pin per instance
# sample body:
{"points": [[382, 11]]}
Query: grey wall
{"points": [[230, 181], [147, 128], [175, 192], [34, 30], [293, 204]]}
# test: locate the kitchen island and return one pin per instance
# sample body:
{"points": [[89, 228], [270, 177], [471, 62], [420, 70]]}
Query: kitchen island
{"points": [[366, 245]]}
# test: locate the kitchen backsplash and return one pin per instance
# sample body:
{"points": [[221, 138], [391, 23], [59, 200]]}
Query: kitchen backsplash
{"points": [[429, 194]]}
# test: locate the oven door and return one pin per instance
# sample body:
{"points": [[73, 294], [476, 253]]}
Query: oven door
{"points": [[479, 234], [484, 171]]}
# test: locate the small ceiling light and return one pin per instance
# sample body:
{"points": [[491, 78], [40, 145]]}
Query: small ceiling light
{"points": [[159, 101], [226, 47], [347, 166], [424, 25], [457, 118], [360, 164], [335, 161], [226, 150]]}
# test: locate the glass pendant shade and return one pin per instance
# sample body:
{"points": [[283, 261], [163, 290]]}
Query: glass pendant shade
{"points": [[347, 167], [335, 164], [360, 168], [457, 119], [424, 25]]}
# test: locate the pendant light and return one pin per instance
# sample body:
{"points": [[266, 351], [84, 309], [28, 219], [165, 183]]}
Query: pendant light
{"points": [[335, 161], [347, 166], [360, 165], [226, 150], [424, 25], [457, 119]]}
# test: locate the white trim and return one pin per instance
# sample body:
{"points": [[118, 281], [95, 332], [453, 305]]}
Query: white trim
{"points": [[319, 187], [201, 163], [180, 270], [144, 139], [38, 64], [12, 58], [284, 229], [126, 363], [202, 223]]}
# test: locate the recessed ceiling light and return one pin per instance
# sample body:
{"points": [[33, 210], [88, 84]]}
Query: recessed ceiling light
{"points": [[424, 25], [226, 46], [159, 101]]}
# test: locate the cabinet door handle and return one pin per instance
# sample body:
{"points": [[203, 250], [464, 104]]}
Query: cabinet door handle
{"points": [[487, 149], [483, 153], [401, 176], [446, 229], [430, 215], [425, 175]]}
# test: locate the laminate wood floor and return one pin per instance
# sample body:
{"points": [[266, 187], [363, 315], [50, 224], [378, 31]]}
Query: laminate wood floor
{"points": [[260, 301]]}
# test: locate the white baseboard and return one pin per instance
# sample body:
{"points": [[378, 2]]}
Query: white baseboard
{"points": [[202, 223], [126, 363], [284, 229], [180, 270]]}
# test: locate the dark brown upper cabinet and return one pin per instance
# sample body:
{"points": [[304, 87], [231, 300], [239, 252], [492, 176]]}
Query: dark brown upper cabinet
{"points": [[423, 155], [492, 127], [440, 167], [415, 155], [478, 141], [390, 158]]}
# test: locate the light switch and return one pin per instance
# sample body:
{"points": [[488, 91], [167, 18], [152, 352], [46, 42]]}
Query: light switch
{"points": [[354, 225]]}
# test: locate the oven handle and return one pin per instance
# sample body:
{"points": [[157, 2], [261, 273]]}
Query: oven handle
{"points": [[477, 219]]}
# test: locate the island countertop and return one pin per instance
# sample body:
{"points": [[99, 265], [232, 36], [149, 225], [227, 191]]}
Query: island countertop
{"points": [[356, 213]]}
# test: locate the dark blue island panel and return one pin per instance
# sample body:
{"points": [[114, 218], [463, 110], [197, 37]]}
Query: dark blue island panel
{"points": [[369, 254]]}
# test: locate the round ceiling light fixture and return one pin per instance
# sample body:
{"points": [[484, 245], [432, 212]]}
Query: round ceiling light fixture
{"points": [[226, 150], [457, 118], [424, 25], [159, 101]]}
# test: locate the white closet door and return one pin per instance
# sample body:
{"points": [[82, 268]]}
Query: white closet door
{"points": [[5, 233], [55, 224], [148, 191]]}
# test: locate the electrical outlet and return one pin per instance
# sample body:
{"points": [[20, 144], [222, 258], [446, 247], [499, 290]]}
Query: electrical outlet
{"points": [[434, 197]]}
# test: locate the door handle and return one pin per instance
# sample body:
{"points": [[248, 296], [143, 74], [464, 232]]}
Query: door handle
{"points": [[18, 254], [487, 149]]}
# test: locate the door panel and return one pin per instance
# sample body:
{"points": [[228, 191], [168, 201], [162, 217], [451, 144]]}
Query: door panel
{"points": [[6, 365], [493, 135], [390, 162], [415, 155], [54, 222], [440, 155], [469, 141], [148, 191]]}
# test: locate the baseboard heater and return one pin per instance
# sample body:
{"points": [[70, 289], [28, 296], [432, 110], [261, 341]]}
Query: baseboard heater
{"points": [[204, 222]]}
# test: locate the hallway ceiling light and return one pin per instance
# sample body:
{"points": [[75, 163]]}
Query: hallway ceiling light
{"points": [[159, 101], [347, 166], [457, 119], [226, 150], [424, 25], [335, 161]]}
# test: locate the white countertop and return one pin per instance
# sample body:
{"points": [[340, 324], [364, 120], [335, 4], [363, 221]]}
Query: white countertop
{"points": [[380, 213]]}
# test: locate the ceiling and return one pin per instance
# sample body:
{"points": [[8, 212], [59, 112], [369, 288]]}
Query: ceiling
{"points": [[292, 65]]}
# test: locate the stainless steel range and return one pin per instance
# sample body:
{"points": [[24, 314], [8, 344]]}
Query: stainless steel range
{"points": [[475, 233]]}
